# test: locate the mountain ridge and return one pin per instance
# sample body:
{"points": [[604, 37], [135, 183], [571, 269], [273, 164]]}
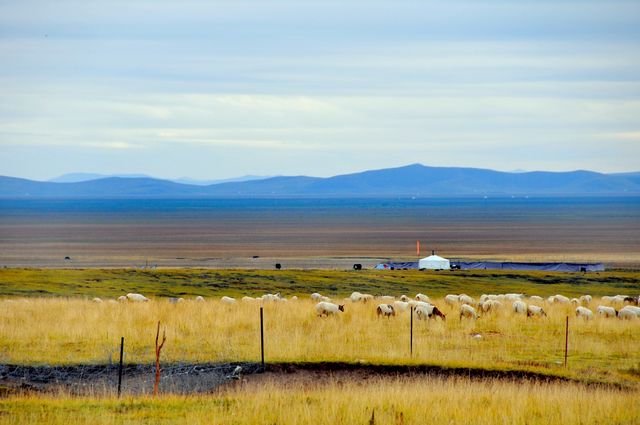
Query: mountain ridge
{"points": [[410, 180]]}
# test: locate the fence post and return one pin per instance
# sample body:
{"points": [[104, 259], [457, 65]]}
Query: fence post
{"points": [[261, 338], [411, 334], [120, 366], [566, 340]]}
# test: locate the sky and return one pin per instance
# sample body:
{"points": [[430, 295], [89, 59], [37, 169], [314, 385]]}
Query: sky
{"points": [[218, 89]]}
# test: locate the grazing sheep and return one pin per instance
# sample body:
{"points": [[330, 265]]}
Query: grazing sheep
{"points": [[294, 298], [387, 298], [325, 309], [451, 299], [536, 298], [248, 299], [519, 307], [629, 312], [534, 310], [575, 301], [513, 297], [199, 298], [561, 299], [400, 305], [122, 298], [97, 300], [428, 311], [137, 297], [404, 298], [618, 299], [357, 296], [465, 299], [632, 300], [176, 300], [315, 296], [586, 299], [325, 299], [228, 300], [467, 311], [606, 311], [490, 305], [423, 298], [385, 310], [584, 312], [271, 297], [551, 299]]}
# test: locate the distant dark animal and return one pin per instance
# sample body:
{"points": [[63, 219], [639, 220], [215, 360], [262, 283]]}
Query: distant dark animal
{"points": [[357, 267], [278, 266], [67, 258]]}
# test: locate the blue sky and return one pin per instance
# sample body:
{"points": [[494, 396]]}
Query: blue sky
{"points": [[219, 89]]}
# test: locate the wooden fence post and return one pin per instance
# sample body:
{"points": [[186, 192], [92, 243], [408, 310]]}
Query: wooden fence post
{"points": [[411, 334], [261, 338], [120, 366]]}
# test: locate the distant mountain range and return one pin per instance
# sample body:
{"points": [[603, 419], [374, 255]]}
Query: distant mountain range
{"points": [[83, 177], [411, 180]]}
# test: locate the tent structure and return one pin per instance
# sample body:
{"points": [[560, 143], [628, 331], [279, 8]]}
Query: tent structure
{"points": [[434, 262]]}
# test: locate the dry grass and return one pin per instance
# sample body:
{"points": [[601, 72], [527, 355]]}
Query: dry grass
{"points": [[394, 400], [63, 331]]}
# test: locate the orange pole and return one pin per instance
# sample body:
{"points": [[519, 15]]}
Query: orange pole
{"points": [[418, 248]]}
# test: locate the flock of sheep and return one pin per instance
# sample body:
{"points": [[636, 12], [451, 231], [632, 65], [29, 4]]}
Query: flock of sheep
{"points": [[472, 309], [621, 306]]}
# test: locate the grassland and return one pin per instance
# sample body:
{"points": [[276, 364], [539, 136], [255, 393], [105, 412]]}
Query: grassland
{"points": [[334, 283], [392, 400], [77, 331]]}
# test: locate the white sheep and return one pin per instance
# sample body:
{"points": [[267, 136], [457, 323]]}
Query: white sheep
{"points": [[561, 299], [199, 298], [385, 310], [451, 299], [465, 299], [606, 311], [467, 311], [513, 297], [426, 311], [316, 296], [519, 307], [136, 297], [325, 309], [584, 312], [490, 305], [629, 312], [387, 298], [586, 299], [357, 296], [270, 297], [97, 300], [404, 298], [534, 310], [422, 297], [247, 299], [400, 305], [575, 301], [227, 300], [536, 298], [294, 298]]}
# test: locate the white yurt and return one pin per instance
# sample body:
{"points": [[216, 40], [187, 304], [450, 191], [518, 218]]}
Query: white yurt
{"points": [[434, 262]]}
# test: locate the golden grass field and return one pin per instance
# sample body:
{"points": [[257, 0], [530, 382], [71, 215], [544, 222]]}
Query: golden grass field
{"points": [[72, 331], [47, 317], [416, 400]]}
